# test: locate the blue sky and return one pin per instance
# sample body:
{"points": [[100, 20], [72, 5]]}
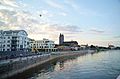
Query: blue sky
{"points": [[87, 21]]}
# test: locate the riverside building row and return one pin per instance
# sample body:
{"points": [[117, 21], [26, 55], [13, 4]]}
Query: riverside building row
{"points": [[17, 40], [44, 45]]}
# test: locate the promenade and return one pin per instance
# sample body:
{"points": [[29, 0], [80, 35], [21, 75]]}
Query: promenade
{"points": [[11, 67]]}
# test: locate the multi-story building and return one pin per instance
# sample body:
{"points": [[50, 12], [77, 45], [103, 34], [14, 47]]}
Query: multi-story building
{"points": [[45, 45], [14, 40], [61, 39]]}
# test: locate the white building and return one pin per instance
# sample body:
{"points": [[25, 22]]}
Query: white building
{"points": [[45, 45], [84, 46], [14, 40]]}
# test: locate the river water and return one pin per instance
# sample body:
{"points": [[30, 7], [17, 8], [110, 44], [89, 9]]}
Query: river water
{"points": [[101, 65]]}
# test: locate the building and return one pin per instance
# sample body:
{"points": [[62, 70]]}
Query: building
{"points": [[84, 46], [30, 43], [14, 40], [44, 45], [73, 45], [111, 46], [61, 39], [70, 43], [67, 45]]}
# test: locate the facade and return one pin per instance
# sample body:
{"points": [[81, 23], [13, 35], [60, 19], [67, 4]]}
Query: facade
{"points": [[67, 45], [111, 46], [61, 39], [84, 46], [70, 43], [44, 45], [14, 40]]}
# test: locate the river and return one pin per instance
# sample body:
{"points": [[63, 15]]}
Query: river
{"points": [[101, 65]]}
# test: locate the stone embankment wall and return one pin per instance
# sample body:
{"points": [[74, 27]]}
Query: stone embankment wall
{"points": [[20, 65]]}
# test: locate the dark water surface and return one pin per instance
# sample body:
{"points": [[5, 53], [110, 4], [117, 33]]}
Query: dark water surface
{"points": [[101, 65]]}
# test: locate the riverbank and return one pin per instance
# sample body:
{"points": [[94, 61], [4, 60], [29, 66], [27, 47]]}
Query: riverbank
{"points": [[100, 65], [38, 62]]}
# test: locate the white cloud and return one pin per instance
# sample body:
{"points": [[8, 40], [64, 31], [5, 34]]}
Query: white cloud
{"points": [[96, 31], [37, 27], [63, 14], [9, 3], [13, 15], [17, 18], [116, 37], [54, 4], [72, 4], [82, 10]]}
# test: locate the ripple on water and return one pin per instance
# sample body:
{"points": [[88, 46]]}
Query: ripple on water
{"points": [[103, 65]]}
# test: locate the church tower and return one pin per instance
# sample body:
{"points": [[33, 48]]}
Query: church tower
{"points": [[61, 39]]}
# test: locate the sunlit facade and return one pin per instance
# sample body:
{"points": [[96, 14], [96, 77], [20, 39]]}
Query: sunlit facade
{"points": [[45, 45]]}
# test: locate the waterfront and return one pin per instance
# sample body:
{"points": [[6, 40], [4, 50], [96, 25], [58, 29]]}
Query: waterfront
{"points": [[12, 68], [101, 65]]}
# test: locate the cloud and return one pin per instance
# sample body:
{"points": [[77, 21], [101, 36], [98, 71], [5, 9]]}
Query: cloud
{"points": [[117, 36], [54, 4], [97, 31], [82, 10], [72, 4], [16, 18], [9, 3], [45, 14], [63, 14], [53, 30], [63, 28]]}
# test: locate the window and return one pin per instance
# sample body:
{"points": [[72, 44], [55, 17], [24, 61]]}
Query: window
{"points": [[27, 43], [8, 49], [8, 41], [8, 45], [8, 37], [3, 45], [3, 49]]}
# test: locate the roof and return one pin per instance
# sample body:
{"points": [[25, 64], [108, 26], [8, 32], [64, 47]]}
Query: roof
{"points": [[71, 42], [14, 31]]}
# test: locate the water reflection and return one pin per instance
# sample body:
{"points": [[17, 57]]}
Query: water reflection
{"points": [[103, 65], [61, 65]]}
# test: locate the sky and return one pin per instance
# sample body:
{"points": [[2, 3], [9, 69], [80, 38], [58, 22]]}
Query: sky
{"points": [[94, 22]]}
